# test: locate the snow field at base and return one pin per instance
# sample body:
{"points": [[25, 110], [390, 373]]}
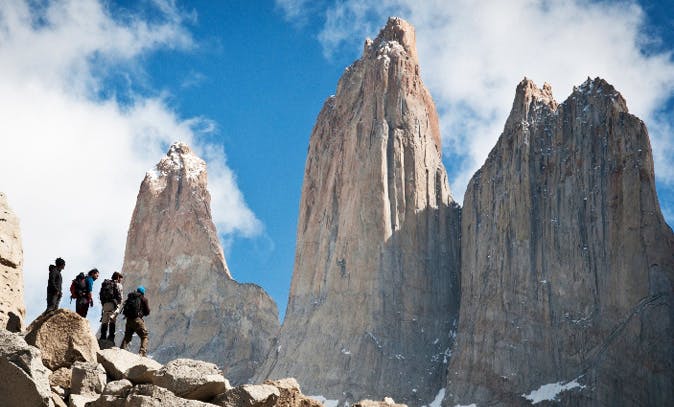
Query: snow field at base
{"points": [[324, 401], [437, 401], [550, 391]]}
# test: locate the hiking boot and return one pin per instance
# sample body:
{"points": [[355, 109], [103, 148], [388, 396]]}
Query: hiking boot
{"points": [[104, 331]]}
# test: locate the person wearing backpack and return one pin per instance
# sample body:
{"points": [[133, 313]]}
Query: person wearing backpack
{"points": [[83, 297], [111, 299], [135, 308], [55, 284]]}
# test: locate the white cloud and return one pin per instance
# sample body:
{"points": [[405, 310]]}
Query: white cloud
{"points": [[72, 162], [473, 54]]}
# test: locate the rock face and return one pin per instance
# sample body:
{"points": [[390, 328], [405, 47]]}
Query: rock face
{"points": [[191, 379], [567, 263], [63, 338], [121, 364], [88, 378], [198, 310], [375, 288], [25, 380], [12, 308]]}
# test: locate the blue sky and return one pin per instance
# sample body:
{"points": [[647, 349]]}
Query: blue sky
{"points": [[94, 91]]}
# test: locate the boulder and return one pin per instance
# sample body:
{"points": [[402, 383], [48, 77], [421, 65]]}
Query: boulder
{"points": [[192, 379], [88, 378], [80, 400], [58, 400], [148, 395], [122, 364], [63, 338], [60, 391], [387, 402], [118, 388], [107, 400], [251, 395], [24, 380], [291, 395], [61, 377]]}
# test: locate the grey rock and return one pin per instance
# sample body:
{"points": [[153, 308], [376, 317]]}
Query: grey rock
{"points": [[12, 307], [61, 377], [375, 288], [118, 388], [568, 264], [387, 402], [88, 378], [81, 400], [147, 395], [173, 249], [290, 394], [25, 380], [63, 338], [58, 400], [252, 395], [107, 400], [121, 364], [191, 379]]}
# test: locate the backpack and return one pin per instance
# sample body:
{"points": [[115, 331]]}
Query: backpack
{"points": [[133, 307], [78, 287], [107, 293]]}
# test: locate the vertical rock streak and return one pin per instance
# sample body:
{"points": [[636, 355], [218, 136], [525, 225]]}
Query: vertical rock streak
{"points": [[567, 261], [374, 292]]}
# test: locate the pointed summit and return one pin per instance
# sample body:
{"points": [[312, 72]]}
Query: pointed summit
{"points": [[173, 250], [396, 32], [374, 293], [178, 161], [529, 98]]}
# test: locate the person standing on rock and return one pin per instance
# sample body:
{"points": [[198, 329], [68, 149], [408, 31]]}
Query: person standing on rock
{"points": [[55, 284], [86, 299], [111, 299], [135, 308]]}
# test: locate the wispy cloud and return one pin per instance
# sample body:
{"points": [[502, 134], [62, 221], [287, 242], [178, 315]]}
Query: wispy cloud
{"points": [[473, 53], [73, 159]]}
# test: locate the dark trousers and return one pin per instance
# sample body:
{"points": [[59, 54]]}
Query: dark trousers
{"points": [[53, 300], [137, 326], [82, 307]]}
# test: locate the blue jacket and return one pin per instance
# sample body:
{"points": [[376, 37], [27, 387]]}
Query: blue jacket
{"points": [[90, 284]]}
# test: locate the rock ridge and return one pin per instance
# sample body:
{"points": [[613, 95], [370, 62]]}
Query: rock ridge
{"points": [[567, 267]]}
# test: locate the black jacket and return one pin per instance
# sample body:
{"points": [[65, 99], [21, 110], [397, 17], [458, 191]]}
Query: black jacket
{"points": [[55, 283]]}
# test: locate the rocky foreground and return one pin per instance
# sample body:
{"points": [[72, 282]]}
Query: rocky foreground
{"points": [[58, 362]]}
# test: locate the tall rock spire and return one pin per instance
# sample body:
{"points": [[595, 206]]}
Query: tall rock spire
{"points": [[198, 310], [12, 308], [567, 263], [374, 293]]}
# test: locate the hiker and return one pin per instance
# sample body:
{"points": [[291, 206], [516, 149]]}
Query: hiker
{"points": [[84, 298], [55, 284], [135, 308], [111, 300]]}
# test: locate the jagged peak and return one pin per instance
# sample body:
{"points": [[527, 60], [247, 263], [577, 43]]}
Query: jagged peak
{"points": [[527, 91], [397, 36], [180, 158], [600, 88], [526, 94]]}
